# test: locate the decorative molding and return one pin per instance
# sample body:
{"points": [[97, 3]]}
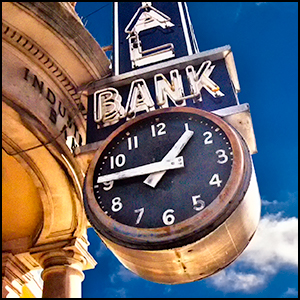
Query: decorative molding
{"points": [[23, 42], [76, 248], [14, 274]]}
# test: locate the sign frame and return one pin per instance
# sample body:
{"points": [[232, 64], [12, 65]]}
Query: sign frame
{"points": [[221, 55]]}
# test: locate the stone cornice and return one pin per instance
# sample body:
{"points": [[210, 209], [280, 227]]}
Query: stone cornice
{"points": [[76, 248], [14, 274], [69, 27], [31, 49]]}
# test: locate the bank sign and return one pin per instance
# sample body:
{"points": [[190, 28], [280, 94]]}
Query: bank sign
{"points": [[159, 76]]}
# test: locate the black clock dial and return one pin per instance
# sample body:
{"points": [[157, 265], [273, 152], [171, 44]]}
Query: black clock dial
{"points": [[170, 196]]}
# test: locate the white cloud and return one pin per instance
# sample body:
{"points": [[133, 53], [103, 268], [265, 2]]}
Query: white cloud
{"points": [[102, 250], [260, 3], [123, 275], [126, 275], [273, 247], [116, 293], [167, 290], [120, 277], [290, 293], [267, 203], [287, 201], [238, 12], [232, 281], [121, 293]]}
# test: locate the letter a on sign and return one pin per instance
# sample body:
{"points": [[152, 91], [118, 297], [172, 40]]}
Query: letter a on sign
{"points": [[139, 99]]}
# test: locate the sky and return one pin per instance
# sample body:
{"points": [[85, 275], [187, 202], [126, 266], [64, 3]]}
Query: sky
{"points": [[264, 39]]}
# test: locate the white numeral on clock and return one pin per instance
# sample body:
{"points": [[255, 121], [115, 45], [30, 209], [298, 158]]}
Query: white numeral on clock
{"points": [[223, 158], [215, 180], [167, 217], [208, 139], [116, 204], [158, 129], [134, 143], [108, 185], [119, 161], [197, 201], [139, 211]]}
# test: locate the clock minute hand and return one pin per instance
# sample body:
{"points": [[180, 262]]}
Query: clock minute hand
{"points": [[154, 178], [163, 165]]}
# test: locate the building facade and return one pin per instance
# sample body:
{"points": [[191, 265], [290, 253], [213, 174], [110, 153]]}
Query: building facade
{"points": [[46, 55]]}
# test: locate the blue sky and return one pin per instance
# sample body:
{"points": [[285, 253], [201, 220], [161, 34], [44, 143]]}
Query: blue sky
{"points": [[264, 39]]}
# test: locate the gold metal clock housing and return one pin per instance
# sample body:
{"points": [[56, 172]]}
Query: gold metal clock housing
{"points": [[210, 237]]}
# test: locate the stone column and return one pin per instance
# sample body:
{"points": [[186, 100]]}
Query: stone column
{"points": [[63, 263], [62, 274]]}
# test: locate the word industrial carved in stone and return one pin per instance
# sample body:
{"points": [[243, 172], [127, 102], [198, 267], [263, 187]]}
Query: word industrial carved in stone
{"points": [[58, 114]]}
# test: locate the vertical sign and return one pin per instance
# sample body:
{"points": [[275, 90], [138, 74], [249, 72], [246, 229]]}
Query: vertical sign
{"points": [[146, 33], [157, 64]]}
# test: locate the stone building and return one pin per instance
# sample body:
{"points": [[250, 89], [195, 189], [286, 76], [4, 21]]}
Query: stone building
{"points": [[46, 55]]}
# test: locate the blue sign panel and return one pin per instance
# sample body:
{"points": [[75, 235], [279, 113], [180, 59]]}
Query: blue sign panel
{"points": [[146, 33], [206, 80], [157, 64]]}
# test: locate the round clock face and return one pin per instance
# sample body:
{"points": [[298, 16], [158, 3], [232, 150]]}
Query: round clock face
{"points": [[162, 169]]}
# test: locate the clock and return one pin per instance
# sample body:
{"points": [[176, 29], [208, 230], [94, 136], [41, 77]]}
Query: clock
{"points": [[166, 181]]}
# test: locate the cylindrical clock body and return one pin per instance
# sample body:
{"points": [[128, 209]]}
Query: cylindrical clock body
{"points": [[199, 259], [173, 194]]}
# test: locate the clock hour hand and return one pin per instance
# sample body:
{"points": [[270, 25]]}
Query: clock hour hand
{"points": [[163, 165], [153, 179]]}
